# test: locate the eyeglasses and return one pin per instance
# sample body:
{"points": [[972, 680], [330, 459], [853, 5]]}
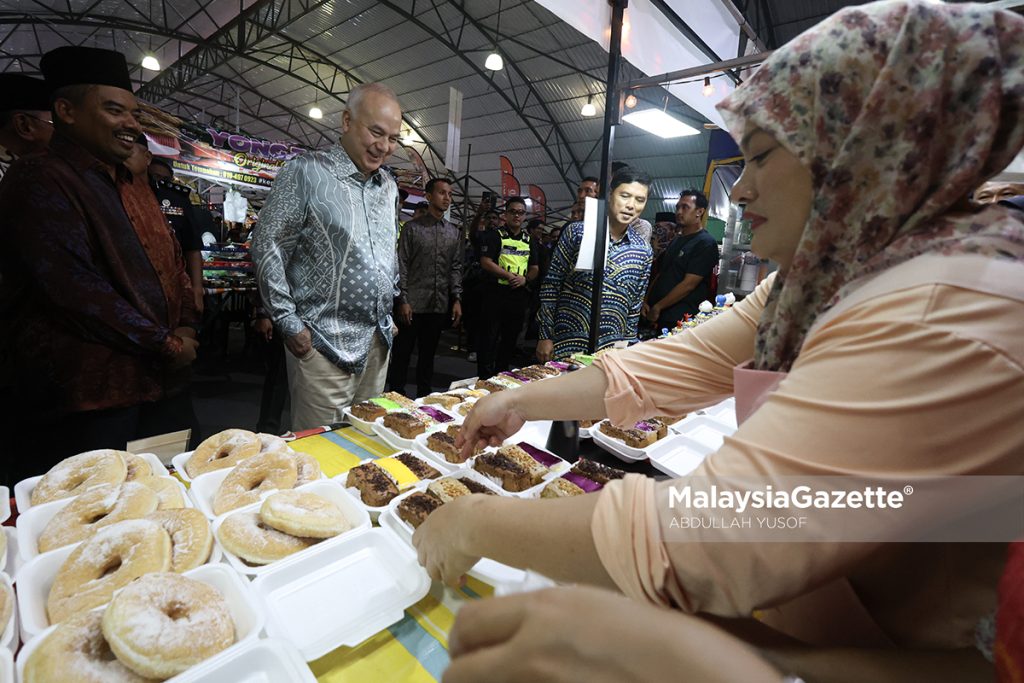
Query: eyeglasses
{"points": [[49, 121], [520, 212]]}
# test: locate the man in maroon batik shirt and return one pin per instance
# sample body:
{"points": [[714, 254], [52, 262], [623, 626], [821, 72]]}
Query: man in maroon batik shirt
{"points": [[95, 305]]}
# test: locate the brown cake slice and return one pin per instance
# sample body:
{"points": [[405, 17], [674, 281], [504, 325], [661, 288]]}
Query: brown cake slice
{"points": [[513, 476], [530, 373], [399, 399], [633, 438], [657, 425], [532, 467], [542, 370], [561, 488], [595, 471], [368, 411], [476, 487], [444, 443], [416, 507], [405, 425], [376, 488], [417, 466], [448, 401], [488, 385], [448, 489]]}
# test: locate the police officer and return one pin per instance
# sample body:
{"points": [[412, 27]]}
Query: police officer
{"points": [[509, 258], [177, 207]]}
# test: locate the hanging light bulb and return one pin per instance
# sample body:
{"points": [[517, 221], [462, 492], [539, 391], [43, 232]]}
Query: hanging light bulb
{"points": [[315, 112], [150, 62], [708, 90], [589, 109], [494, 62], [631, 101]]}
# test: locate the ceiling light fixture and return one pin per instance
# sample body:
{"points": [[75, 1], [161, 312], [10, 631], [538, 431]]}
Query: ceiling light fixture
{"points": [[631, 101], [660, 123], [708, 90], [315, 112], [589, 109], [150, 62], [494, 61]]}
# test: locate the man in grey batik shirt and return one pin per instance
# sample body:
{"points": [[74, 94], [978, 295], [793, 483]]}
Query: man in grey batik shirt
{"points": [[325, 260]]}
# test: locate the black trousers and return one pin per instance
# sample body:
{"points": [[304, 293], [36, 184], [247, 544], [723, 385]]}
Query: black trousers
{"points": [[424, 333], [504, 310], [36, 447], [275, 386]]}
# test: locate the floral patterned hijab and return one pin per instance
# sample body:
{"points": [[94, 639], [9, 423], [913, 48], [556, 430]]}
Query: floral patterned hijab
{"points": [[899, 109]]}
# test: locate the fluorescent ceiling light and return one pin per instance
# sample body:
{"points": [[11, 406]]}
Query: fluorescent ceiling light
{"points": [[315, 112], [494, 62], [150, 62], [661, 124]]}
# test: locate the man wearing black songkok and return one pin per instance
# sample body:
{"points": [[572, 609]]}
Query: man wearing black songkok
{"points": [[25, 126]]}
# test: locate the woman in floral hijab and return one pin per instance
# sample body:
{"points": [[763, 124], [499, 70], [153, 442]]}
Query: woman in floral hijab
{"points": [[888, 345]]}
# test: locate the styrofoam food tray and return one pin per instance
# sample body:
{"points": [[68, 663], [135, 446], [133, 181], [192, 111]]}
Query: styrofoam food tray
{"points": [[421, 448], [9, 638], [374, 512], [395, 441], [555, 471], [683, 457], [707, 431], [351, 508], [204, 489], [341, 594], [5, 504], [6, 666], [178, 463], [245, 611], [724, 412], [24, 488], [32, 523], [11, 561], [267, 660], [487, 570], [35, 577], [628, 453]]}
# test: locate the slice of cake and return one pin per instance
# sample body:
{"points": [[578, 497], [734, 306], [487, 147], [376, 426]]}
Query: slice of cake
{"points": [[447, 490], [634, 438], [561, 488], [653, 424], [534, 469], [417, 466], [376, 487], [448, 401], [444, 443], [402, 401], [464, 408], [488, 385], [510, 473], [405, 425], [595, 471], [541, 370], [516, 375], [416, 507], [476, 487]]}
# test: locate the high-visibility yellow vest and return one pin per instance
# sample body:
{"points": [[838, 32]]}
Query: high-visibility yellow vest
{"points": [[515, 253]]}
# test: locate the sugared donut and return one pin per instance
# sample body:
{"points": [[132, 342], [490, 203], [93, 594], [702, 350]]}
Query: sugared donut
{"points": [[308, 466], [112, 558], [269, 442], [6, 605], [78, 473], [165, 623], [245, 535], [98, 507], [260, 473], [191, 537], [226, 449], [301, 513], [137, 466], [77, 651], [167, 491]]}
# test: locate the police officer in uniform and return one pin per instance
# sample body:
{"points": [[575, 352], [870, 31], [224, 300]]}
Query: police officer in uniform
{"points": [[184, 218], [509, 258]]}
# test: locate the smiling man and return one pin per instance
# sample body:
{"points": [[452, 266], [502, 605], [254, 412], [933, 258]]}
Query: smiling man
{"points": [[95, 302], [324, 250]]}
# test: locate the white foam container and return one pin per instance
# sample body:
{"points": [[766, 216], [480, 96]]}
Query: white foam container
{"points": [[706, 431], [204, 489], [350, 507], [24, 488], [246, 612], [628, 453], [32, 523], [178, 463], [5, 504], [421, 448], [341, 594], [683, 457], [360, 424], [11, 561], [36, 576], [9, 639], [269, 660], [724, 413], [555, 471], [395, 441], [373, 511], [6, 666]]}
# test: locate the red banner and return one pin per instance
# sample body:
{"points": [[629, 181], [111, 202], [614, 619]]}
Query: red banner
{"points": [[509, 184], [540, 202]]}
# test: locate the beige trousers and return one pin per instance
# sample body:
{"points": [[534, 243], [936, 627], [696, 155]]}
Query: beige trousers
{"points": [[320, 390]]}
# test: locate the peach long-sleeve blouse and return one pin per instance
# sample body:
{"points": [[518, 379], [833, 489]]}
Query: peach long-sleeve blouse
{"points": [[917, 371]]}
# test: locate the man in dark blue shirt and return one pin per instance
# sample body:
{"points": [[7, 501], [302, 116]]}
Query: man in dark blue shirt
{"points": [[685, 268]]}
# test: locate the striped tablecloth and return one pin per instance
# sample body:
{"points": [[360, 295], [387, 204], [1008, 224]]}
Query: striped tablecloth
{"points": [[415, 649]]}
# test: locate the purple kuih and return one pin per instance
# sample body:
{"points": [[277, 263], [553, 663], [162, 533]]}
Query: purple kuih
{"points": [[543, 457]]}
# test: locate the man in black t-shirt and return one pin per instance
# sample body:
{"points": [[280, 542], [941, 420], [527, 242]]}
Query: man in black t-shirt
{"points": [[685, 267], [509, 258]]}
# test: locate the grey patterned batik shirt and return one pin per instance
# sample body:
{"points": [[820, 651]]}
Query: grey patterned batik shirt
{"points": [[430, 265], [324, 250]]}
